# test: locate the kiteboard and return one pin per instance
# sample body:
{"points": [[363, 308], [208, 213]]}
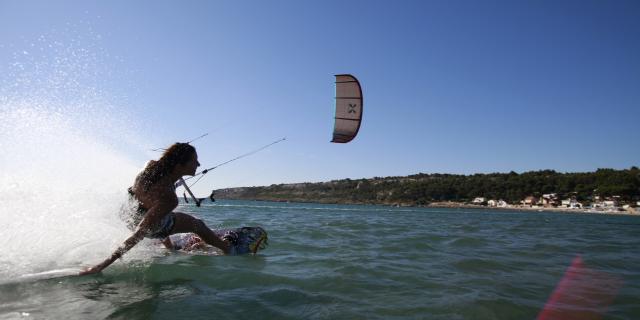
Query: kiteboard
{"points": [[244, 240]]}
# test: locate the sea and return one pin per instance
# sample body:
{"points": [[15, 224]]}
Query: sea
{"points": [[355, 262]]}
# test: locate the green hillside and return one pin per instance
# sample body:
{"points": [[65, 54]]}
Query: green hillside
{"points": [[422, 189]]}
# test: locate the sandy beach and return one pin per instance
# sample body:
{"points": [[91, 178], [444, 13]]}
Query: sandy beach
{"points": [[448, 204]]}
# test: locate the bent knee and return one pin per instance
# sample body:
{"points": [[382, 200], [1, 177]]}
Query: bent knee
{"points": [[199, 224]]}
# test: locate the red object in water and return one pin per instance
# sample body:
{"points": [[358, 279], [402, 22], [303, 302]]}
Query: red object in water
{"points": [[582, 294]]}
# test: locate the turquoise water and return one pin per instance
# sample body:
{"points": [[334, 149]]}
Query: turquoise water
{"points": [[354, 262]]}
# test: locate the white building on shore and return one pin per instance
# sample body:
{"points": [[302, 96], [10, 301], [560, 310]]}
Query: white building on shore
{"points": [[550, 199], [530, 201], [478, 200], [571, 204], [608, 204], [497, 203]]}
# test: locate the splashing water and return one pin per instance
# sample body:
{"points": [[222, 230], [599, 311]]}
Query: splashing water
{"points": [[63, 175]]}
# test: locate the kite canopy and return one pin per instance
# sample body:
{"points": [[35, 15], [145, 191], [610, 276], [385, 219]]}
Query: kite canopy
{"points": [[348, 108]]}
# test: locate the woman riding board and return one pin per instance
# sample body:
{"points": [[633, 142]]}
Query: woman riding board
{"points": [[154, 189]]}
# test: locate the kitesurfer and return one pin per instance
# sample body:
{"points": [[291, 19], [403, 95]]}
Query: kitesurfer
{"points": [[154, 190]]}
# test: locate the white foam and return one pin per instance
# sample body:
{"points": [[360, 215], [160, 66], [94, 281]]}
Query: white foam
{"points": [[63, 174]]}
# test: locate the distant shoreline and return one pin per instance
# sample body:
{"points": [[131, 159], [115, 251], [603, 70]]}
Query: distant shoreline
{"points": [[605, 191], [529, 208]]}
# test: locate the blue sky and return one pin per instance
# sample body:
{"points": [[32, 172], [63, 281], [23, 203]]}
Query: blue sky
{"points": [[449, 86]]}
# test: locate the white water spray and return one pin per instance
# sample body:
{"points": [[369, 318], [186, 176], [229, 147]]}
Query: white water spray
{"points": [[63, 176]]}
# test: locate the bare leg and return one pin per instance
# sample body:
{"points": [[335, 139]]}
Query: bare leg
{"points": [[186, 223]]}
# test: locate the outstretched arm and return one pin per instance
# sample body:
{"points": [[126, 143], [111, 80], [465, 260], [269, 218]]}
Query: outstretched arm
{"points": [[153, 215], [128, 244]]}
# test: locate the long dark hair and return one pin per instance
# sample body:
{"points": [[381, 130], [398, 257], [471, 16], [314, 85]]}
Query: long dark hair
{"points": [[177, 153]]}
